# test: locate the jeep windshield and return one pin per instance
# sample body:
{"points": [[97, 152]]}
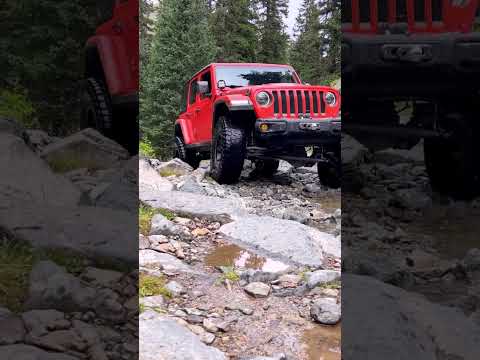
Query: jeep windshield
{"points": [[239, 76]]}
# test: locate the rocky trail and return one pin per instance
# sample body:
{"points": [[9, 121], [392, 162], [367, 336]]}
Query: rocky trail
{"points": [[247, 271], [415, 251]]}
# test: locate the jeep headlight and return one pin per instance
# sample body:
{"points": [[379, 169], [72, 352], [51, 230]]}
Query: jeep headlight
{"points": [[263, 98], [330, 98]]}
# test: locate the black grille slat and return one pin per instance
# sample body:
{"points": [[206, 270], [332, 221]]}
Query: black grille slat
{"points": [[284, 101], [365, 11], [437, 10], [347, 11], [382, 11], [315, 102], [300, 102], [322, 103], [402, 15], [307, 102], [420, 11], [292, 102], [275, 102]]}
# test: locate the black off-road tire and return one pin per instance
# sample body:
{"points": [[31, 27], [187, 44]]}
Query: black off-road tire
{"points": [[228, 151], [330, 173], [182, 153], [96, 107], [267, 167], [451, 166]]}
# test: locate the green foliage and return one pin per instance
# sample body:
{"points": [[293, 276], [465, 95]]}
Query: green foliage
{"points": [[16, 105], [233, 25], [273, 39], [146, 149], [228, 273], [182, 44], [315, 52], [43, 53], [152, 285], [145, 215]]}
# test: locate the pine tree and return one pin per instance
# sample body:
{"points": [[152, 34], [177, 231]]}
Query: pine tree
{"points": [[182, 44], [233, 25], [273, 43], [315, 52], [147, 9]]}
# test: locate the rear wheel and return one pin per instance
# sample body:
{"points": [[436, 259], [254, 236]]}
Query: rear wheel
{"points": [[330, 173], [267, 167], [182, 153], [228, 151], [96, 111]]}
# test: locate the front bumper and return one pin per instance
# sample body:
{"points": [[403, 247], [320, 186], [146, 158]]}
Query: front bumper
{"points": [[305, 132], [392, 64]]}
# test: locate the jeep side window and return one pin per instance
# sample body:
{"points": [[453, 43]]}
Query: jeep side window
{"points": [[208, 78], [105, 10], [193, 91]]}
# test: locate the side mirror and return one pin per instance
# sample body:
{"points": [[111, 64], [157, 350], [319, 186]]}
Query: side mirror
{"points": [[203, 88], [221, 84]]}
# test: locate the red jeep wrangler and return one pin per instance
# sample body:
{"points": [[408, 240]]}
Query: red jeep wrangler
{"points": [[422, 54], [110, 91], [262, 112]]}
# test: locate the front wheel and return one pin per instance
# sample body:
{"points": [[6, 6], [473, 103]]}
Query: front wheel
{"points": [[228, 152], [96, 109]]}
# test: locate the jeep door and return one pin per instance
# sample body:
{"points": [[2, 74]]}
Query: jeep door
{"points": [[203, 110]]}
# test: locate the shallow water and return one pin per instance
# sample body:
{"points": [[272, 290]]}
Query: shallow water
{"points": [[323, 342], [235, 256]]}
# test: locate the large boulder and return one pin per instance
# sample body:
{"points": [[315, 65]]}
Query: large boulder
{"points": [[381, 321], [162, 338], [175, 167], [285, 239], [85, 149], [189, 204], [10, 126], [28, 178], [92, 231]]}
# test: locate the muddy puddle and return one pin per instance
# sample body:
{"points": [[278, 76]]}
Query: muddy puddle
{"points": [[323, 342], [235, 256], [329, 202]]}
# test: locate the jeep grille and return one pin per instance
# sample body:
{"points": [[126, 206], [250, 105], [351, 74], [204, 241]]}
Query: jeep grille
{"points": [[376, 15], [298, 103]]}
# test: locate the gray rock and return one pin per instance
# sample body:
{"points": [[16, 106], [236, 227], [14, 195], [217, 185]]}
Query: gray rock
{"points": [[160, 225], [143, 242], [283, 238], [51, 287], [59, 340], [76, 228], [157, 301], [29, 179], [193, 204], [12, 330], [107, 305], [411, 199], [38, 139], [257, 289], [274, 357], [121, 191], [150, 179], [353, 153], [320, 277], [4, 312], [27, 352], [326, 311], [396, 156], [472, 260], [149, 258], [173, 167], [88, 148], [210, 325], [191, 185], [12, 127], [395, 317], [175, 288], [103, 277], [162, 338], [40, 322]]}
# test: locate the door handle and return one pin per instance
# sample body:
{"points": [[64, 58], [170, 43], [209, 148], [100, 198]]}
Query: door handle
{"points": [[197, 110]]}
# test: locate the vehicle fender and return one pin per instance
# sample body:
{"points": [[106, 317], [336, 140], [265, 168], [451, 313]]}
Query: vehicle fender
{"points": [[115, 63], [235, 102], [184, 125]]}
